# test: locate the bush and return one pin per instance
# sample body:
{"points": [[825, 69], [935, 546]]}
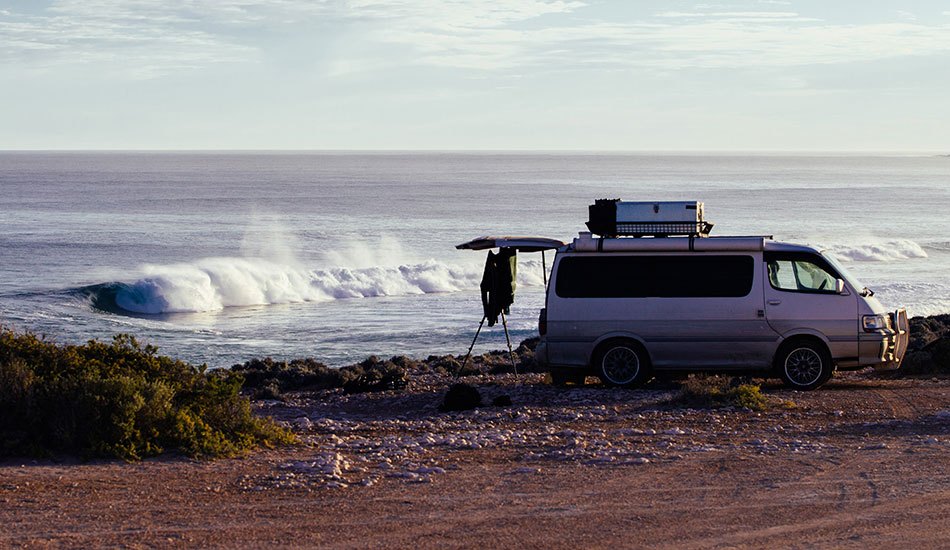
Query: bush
{"points": [[705, 392], [119, 400]]}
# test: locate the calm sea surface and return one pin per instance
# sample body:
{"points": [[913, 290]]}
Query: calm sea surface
{"points": [[220, 257]]}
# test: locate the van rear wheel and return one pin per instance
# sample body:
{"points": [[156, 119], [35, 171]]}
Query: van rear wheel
{"points": [[622, 363], [804, 365]]}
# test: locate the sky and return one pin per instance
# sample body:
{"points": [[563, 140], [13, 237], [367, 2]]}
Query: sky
{"points": [[616, 75]]}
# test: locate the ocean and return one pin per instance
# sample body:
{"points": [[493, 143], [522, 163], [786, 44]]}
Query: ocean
{"points": [[220, 257]]}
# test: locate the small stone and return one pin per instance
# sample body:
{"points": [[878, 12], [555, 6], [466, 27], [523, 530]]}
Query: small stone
{"points": [[302, 423], [426, 471]]}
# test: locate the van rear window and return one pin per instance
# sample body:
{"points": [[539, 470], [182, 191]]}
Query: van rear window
{"points": [[654, 276]]}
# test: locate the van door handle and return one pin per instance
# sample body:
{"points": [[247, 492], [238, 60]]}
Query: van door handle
{"points": [[774, 302]]}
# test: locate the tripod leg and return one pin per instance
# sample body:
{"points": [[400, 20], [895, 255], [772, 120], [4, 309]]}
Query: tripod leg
{"points": [[470, 348], [508, 338]]}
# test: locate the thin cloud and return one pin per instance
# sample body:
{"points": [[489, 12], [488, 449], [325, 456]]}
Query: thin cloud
{"points": [[149, 38], [743, 14], [721, 39], [141, 38]]}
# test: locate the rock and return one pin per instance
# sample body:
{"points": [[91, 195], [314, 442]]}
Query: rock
{"points": [[461, 397], [428, 471], [403, 475], [502, 401], [370, 383], [302, 423]]}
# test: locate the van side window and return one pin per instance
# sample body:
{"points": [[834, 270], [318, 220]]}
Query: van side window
{"points": [[800, 276], [692, 276]]}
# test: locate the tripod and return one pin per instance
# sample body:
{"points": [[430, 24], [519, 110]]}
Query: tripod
{"points": [[511, 355]]}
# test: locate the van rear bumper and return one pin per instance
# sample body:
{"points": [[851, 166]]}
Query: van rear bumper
{"points": [[541, 353]]}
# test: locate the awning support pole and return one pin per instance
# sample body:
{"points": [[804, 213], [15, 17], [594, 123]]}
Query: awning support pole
{"points": [[470, 348], [511, 355]]}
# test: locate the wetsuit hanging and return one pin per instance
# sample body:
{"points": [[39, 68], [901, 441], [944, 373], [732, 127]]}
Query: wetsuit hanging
{"points": [[498, 283]]}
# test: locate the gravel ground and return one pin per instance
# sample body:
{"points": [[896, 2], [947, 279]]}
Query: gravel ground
{"points": [[862, 463]]}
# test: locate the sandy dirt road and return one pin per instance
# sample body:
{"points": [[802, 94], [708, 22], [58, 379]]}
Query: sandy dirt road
{"points": [[864, 463]]}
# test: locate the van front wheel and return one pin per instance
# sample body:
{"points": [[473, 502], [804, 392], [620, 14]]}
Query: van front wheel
{"points": [[622, 363], [804, 365]]}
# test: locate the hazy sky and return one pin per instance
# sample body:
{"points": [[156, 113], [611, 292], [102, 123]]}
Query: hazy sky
{"points": [[485, 74]]}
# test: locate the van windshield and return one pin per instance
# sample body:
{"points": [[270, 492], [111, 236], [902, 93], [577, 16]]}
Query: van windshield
{"points": [[854, 282]]}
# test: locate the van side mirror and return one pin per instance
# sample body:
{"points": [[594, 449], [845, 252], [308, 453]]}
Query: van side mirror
{"points": [[839, 286]]}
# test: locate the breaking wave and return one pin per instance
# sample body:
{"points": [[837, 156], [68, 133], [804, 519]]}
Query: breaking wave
{"points": [[878, 251], [216, 283]]}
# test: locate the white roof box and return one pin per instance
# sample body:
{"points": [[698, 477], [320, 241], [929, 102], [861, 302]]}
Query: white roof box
{"points": [[614, 217]]}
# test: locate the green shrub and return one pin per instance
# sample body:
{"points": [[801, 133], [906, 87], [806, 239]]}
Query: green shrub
{"points": [[120, 400], [705, 392]]}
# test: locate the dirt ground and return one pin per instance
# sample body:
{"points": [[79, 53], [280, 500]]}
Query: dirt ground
{"points": [[863, 462]]}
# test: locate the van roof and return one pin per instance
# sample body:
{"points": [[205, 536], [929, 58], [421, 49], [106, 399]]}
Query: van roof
{"points": [[586, 242]]}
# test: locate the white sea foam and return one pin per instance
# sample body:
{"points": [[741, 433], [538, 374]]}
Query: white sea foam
{"points": [[215, 283], [918, 297], [883, 250]]}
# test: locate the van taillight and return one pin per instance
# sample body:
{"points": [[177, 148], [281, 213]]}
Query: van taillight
{"points": [[543, 322]]}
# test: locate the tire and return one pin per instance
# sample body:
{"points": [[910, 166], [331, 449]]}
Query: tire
{"points": [[622, 363], [804, 364]]}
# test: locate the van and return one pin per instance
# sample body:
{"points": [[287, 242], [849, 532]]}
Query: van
{"points": [[625, 309]]}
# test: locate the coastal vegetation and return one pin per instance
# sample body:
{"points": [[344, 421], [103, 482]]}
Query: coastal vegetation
{"points": [[700, 391], [120, 399]]}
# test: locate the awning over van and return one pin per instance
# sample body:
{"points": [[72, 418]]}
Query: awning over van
{"points": [[521, 244]]}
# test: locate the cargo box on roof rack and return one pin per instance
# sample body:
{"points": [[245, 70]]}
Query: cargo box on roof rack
{"points": [[614, 217]]}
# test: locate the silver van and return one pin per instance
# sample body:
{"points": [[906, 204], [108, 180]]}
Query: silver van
{"points": [[623, 309], [637, 301]]}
